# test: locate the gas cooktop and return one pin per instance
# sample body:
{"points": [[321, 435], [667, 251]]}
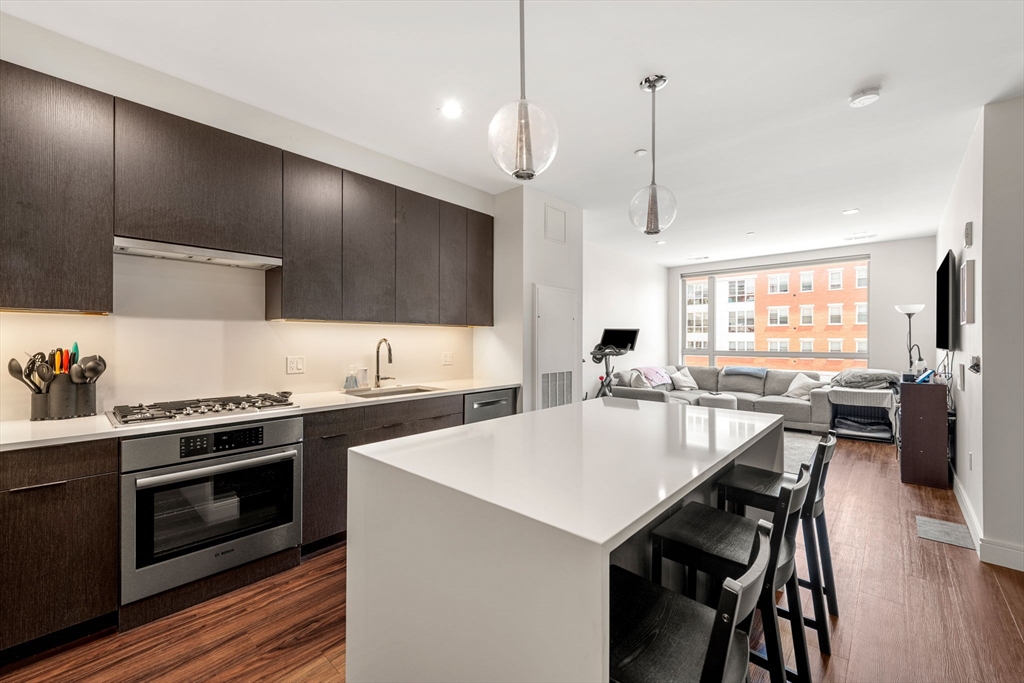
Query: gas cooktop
{"points": [[122, 416]]}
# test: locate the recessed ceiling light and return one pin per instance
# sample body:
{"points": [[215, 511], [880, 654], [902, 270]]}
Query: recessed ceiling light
{"points": [[850, 212], [863, 98], [640, 153], [661, 242], [451, 110]]}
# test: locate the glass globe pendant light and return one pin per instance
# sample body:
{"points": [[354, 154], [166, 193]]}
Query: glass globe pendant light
{"points": [[654, 207], [522, 137]]}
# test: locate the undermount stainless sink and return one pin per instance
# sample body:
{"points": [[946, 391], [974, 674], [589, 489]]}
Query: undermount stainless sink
{"points": [[389, 391]]}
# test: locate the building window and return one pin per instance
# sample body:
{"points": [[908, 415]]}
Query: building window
{"points": [[835, 278], [778, 284], [741, 321], [807, 281], [862, 277], [741, 346], [807, 346], [778, 345], [862, 346], [835, 345], [696, 323], [835, 314], [693, 344], [807, 315], [862, 314], [696, 293], [778, 315], [741, 291]]}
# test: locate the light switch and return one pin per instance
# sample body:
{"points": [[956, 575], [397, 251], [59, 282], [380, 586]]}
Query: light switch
{"points": [[296, 365], [446, 358]]}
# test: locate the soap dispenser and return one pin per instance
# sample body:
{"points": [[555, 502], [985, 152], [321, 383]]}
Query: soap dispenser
{"points": [[350, 381]]}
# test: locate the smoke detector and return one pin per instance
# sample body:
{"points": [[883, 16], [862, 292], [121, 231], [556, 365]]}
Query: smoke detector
{"points": [[863, 98]]}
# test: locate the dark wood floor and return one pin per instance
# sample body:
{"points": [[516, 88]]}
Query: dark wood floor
{"points": [[911, 610]]}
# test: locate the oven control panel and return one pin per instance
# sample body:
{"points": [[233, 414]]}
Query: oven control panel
{"points": [[218, 442]]}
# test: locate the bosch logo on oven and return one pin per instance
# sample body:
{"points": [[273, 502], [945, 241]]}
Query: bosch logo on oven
{"points": [[224, 552]]}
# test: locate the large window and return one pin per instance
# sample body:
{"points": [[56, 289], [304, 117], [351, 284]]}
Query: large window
{"points": [[724, 323]]}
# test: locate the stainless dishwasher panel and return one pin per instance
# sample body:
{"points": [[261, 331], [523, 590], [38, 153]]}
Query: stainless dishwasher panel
{"points": [[489, 405]]}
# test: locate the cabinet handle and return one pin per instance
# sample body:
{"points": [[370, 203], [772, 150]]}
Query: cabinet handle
{"points": [[492, 402], [39, 486], [334, 436]]}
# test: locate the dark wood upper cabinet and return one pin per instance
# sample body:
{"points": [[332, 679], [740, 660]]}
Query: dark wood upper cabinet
{"points": [[58, 538], [308, 286], [417, 257], [479, 269], [453, 264], [182, 182], [368, 250], [56, 193]]}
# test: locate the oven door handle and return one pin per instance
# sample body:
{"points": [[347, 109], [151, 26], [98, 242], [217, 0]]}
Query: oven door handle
{"points": [[161, 479]]}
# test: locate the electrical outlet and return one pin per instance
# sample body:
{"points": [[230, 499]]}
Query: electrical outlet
{"points": [[970, 460], [446, 358], [296, 365]]}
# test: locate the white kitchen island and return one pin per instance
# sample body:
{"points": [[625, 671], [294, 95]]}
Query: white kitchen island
{"points": [[481, 553]]}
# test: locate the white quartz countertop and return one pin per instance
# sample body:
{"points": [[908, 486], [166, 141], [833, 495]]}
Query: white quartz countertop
{"points": [[17, 434], [590, 469]]}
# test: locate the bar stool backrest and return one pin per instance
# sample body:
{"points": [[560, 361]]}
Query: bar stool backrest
{"points": [[738, 600], [819, 471]]}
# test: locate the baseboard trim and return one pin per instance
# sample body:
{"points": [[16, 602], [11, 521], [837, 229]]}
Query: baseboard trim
{"points": [[968, 512], [1004, 555]]}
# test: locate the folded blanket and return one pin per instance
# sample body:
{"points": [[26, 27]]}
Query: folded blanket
{"points": [[861, 378], [655, 375]]}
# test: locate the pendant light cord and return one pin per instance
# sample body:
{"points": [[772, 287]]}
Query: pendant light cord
{"points": [[654, 154], [522, 49]]}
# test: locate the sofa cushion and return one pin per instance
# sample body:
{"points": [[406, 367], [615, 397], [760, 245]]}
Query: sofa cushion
{"points": [[777, 382], [744, 399], [688, 395], [791, 409], [744, 383], [706, 378]]}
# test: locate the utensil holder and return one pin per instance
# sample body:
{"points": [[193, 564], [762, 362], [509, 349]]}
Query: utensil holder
{"points": [[64, 399]]}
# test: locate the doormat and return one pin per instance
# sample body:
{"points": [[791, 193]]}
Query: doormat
{"points": [[944, 532]]}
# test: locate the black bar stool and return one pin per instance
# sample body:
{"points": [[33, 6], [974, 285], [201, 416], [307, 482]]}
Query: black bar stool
{"points": [[715, 542], [660, 635], [760, 488]]}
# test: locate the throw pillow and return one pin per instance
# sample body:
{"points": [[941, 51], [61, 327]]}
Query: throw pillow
{"points": [[801, 387], [683, 380], [637, 380]]}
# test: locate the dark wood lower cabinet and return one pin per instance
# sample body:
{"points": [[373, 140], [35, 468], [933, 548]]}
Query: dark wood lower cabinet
{"points": [[58, 556]]}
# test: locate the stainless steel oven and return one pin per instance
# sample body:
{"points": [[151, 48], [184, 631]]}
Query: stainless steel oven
{"points": [[198, 502]]}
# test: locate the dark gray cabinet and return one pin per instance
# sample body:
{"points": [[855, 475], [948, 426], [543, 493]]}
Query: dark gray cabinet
{"points": [[479, 269], [368, 250], [56, 193], [58, 538], [417, 257], [308, 285], [182, 182], [453, 264], [327, 437]]}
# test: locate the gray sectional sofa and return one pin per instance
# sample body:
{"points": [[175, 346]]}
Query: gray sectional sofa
{"points": [[760, 395]]}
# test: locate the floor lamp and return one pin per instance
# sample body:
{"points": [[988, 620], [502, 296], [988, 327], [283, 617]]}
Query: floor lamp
{"points": [[909, 310]]}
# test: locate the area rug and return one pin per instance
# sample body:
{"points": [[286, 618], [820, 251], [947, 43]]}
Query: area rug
{"points": [[944, 532], [799, 447]]}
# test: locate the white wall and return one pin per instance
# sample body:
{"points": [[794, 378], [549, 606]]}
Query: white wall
{"points": [[623, 292], [965, 205], [184, 330], [901, 272], [179, 330]]}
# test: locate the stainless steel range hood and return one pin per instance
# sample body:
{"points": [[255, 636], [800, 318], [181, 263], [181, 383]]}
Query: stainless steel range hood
{"points": [[181, 252]]}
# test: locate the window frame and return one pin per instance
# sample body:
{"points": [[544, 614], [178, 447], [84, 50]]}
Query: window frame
{"points": [[779, 342], [835, 339], [857, 270], [806, 272], [830, 307], [857, 308], [779, 279], [778, 317], [835, 271], [857, 342], [807, 339], [802, 307]]}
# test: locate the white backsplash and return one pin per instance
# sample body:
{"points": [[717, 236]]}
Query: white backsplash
{"points": [[184, 330]]}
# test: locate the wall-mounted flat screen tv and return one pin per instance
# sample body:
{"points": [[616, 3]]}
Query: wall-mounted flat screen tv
{"points": [[946, 308]]}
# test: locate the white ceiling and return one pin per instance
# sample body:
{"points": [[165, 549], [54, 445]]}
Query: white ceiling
{"points": [[755, 133]]}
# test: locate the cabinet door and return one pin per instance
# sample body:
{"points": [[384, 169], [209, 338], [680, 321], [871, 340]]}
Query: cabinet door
{"points": [[181, 182], [325, 486], [453, 265], [417, 257], [368, 250], [56, 193], [58, 556], [308, 285], [479, 269]]}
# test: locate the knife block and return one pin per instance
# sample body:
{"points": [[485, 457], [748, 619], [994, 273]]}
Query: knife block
{"points": [[64, 399]]}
